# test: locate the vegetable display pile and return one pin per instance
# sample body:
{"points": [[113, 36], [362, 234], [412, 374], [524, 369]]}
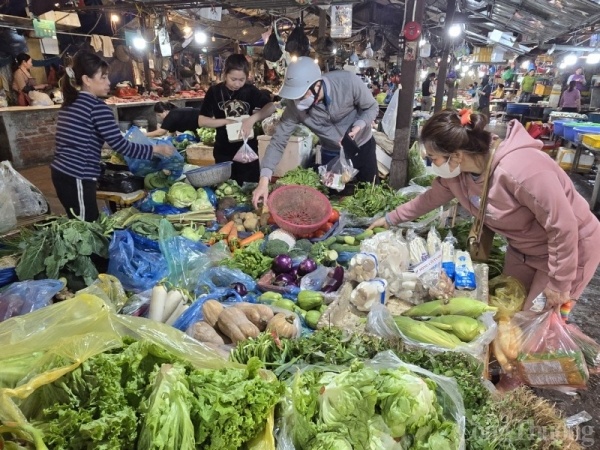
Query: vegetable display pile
{"points": [[360, 407], [250, 260], [370, 199], [305, 177], [207, 135], [230, 188], [63, 247], [139, 396]]}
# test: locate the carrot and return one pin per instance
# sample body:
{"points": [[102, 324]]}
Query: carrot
{"points": [[232, 239], [226, 229], [253, 237]]}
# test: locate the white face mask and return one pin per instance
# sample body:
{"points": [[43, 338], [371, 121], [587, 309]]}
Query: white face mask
{"points": [[305, 103], [444, 171]]}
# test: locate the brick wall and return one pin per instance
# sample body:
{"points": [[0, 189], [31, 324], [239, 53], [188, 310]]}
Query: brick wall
{"points": [[27, 137]]}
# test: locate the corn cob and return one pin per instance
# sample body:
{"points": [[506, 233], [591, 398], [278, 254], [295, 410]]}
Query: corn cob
{"points": [[463, 327], [461, 306], [425, 333]]}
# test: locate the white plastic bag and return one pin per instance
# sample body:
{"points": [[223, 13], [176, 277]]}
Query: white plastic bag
{"points": [[245, 154], [8, 217], [27, 199], [388, 123]]}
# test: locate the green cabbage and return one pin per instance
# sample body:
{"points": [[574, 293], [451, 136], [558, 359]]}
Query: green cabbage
{"points": [[362, 408], [181, 195], [408, 402], [191, 234], [159, 196]]}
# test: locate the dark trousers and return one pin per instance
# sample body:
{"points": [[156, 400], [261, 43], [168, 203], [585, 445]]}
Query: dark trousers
{"points": [[364, 159], [240, 172], [78, 197]]}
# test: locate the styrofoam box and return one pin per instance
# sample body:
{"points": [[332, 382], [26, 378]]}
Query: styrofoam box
{"points": [[296, 153], [233, 130], [62, 18]]}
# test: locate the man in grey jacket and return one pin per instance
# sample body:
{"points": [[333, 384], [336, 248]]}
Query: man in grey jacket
{"points": [[336, 106]]}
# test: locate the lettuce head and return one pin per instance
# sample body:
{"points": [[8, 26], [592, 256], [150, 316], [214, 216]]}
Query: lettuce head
{"points": [[181, 195]]}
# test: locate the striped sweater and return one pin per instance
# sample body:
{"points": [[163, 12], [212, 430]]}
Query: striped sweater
{"points": [[81, 130]]}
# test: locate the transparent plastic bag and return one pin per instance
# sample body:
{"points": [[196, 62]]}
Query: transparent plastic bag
{"points": [[137, 268], [425, 221], [392, 254], [589, 347], [109, 289], [548, 356], [26, 296], [245, 154], [64, 335], [186, 259], [27, 199], [507, 294], [388, 123], [8, 217], [338, 172], [296, 430], [380, 322]]}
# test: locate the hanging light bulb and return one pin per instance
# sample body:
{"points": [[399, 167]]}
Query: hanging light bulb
{"points": [[593, 58], [213, 38], [187, 30], [455, 30], [139, 43], [570, 59], [200, 37], [114, 18]]}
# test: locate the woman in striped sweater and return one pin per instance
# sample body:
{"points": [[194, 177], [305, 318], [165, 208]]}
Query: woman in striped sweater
{"points": [[84, 124]]}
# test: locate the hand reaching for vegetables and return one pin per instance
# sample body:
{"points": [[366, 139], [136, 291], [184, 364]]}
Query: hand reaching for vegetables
{"points": [[379, 223], [261, 192]]}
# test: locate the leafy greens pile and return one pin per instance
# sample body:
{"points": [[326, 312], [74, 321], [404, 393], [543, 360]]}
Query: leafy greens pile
{"points": [[63, 247], [139, 396], [360, 407]]}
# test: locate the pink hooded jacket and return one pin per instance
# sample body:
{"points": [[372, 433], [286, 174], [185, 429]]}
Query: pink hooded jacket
{"points": [[531, 201]]}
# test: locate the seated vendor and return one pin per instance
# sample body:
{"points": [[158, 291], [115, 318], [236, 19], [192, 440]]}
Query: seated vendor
{"points": [[23, 82], [499, 92], [172, 119]]}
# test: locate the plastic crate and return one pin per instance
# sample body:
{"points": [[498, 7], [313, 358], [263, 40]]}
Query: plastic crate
{"points": [[593, 140], [580, 131]]}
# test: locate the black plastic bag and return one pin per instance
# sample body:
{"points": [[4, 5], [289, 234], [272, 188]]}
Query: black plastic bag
{"points": [[272, 51], [297, 43], [123, 182]]}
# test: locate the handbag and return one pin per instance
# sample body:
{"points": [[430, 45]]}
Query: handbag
{"points": [[481, 238]]}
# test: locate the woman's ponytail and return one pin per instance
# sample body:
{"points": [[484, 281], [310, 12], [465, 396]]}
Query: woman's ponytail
{"points": [[69, 91]]}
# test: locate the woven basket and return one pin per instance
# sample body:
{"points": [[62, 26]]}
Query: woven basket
{"points": [[200, 155], [301, 210], [210, 175]]}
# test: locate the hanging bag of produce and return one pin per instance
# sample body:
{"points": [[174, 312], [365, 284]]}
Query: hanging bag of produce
{"points": [[547, 355], [338, 172], [297, 43], [245, 154], [272, 51]]}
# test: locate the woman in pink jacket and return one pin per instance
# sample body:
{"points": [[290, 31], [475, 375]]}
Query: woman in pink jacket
{"points": [[553, 237]]}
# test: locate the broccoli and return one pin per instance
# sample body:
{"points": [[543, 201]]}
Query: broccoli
{"points": [[304, 245], [276, 247]]}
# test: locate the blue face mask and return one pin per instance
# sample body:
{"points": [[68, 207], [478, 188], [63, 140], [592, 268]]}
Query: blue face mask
{"points": [[305, 103]]}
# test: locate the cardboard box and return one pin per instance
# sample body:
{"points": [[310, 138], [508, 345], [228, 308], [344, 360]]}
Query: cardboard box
{"points": [[297, 153]]}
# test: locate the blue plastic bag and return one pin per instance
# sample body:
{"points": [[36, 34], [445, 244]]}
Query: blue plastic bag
{"points": [[137, 267], [143, 167], [185, 259], [194, 313], [27, 296], [219, 279]]}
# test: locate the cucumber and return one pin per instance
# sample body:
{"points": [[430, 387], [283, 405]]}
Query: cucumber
{"points": [[345, 248], [379, 230], [329, 241], [364, 235]]}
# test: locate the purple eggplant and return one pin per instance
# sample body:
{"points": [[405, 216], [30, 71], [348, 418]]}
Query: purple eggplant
{"points": [[240, 288], [334, 280], [284, 279], [282, 264], [306, 266]]}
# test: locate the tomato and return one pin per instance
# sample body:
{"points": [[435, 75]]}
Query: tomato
{"points": [[270, 220], [334, 216], [326, 227], [319, 233]]}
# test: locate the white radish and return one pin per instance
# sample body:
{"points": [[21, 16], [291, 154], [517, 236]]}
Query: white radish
{"points": [[174, 298], [157, 303], [176, 314]]}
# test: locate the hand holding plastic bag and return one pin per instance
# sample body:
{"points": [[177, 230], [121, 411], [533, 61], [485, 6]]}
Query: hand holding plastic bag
{"points": [[245, 154], [548, 356], [338, 172]]}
